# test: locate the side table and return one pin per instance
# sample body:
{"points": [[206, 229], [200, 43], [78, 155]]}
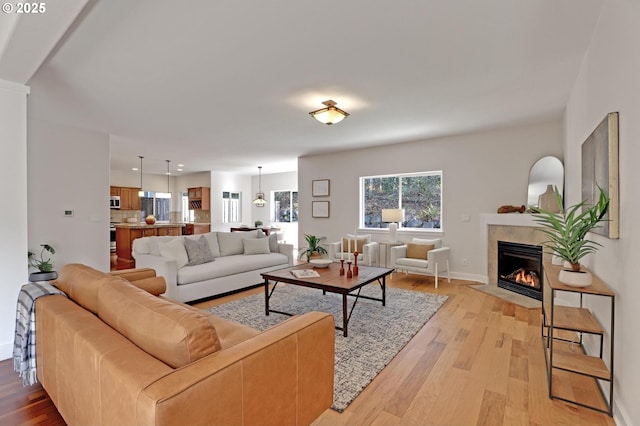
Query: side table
{"points": [[385, 255]]}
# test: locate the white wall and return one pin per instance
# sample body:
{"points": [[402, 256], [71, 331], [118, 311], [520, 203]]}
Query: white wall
{"points": [[481, 172], [69, 170], [13, 190], [286, 181], [608, 82], [233, 182]]}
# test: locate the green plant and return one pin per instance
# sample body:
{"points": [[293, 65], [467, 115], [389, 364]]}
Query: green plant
{"points": [[568, 228], [42, 264], [258, 223], [313, 246]]}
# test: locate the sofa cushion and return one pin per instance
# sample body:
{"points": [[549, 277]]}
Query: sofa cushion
{"points": [[256, 246], [174, 250], [415, 263], [230, 265], [81, 283], [198, 250], [154, 243], [418, 251], [212, 239], [273, 240], [175, 335], [231, 242]]}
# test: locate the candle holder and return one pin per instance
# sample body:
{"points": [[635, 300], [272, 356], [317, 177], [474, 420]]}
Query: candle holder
{"points": [[349, 273], [341, 266], [355, 263]]}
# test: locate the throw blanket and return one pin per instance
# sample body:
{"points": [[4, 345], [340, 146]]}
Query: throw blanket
{"points": [[24, 344]]}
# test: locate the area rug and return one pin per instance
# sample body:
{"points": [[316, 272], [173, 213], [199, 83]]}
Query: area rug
{"points": [[376, 333]]}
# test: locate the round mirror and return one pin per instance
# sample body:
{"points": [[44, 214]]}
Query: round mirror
{"points": [[546, 171]]}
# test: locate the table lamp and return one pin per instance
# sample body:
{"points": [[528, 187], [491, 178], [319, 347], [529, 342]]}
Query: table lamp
{"points": [[393, 217]]}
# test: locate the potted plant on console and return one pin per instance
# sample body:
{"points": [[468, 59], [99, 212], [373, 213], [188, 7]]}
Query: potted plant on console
{"points": [[44, 266], [567, 232], [314, 247]]}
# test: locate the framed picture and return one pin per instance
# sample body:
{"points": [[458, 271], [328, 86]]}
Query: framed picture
{"points": [[320, 188], [319, 209], [600, 169]]}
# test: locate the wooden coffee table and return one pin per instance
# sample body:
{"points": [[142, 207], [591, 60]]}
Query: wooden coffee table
{"points": [[330, 281]]}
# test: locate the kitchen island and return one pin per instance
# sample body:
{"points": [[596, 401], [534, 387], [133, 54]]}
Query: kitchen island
{"points": [[126, 233]]}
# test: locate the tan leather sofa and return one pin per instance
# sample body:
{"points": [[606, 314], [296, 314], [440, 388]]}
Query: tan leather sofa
{"points": [[116, 353]]}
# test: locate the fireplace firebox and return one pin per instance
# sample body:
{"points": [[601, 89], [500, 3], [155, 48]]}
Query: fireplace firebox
{"points": [[520, 268]]}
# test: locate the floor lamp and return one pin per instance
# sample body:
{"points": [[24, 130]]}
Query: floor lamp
{"points": [[393, 217]]}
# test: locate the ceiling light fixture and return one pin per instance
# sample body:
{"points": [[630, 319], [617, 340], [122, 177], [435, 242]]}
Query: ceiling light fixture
{"points": [[141, 192], [260, 201], [329, 115]]}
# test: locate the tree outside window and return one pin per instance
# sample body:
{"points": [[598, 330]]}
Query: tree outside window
{"points": [[419, 194], [285, 205]]}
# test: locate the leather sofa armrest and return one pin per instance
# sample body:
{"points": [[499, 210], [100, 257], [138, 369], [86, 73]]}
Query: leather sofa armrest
{"points": [[164, 268], [247, 383], [134, 274]]}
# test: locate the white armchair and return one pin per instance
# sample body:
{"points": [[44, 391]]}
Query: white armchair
{"points": [[367, 250], [422, 256]]}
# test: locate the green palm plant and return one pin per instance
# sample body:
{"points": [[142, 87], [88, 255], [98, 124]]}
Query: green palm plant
{"points": [[313, 246], [42, 264], [568, 228]]}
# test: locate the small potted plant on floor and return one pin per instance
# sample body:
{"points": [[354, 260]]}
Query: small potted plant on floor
{"points": [[567, 232], [314, 247], [43, 264]]}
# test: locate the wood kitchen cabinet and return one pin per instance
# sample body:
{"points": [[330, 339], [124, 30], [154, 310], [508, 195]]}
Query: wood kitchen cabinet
{"points": [[127, 234], [129, 199], [197, 228], [199, 198]]}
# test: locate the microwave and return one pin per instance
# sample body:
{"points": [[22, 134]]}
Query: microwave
{"points": [[114, 202]]}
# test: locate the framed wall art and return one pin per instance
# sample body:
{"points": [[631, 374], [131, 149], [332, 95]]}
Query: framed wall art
{"points": [[600, 169], [320, 188], [319, 209]]}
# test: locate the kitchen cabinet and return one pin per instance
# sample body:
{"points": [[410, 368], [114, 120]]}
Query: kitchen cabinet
{"points": [[126, 234], [129, 199], [197, 228], [199, 198], [565, 328]]}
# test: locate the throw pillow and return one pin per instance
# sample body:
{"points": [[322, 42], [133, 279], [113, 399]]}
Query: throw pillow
{"points": [[418, 251], [273, 240], [256, 246], [230, 243], [359, 244], [174, 250], [198, 251]]}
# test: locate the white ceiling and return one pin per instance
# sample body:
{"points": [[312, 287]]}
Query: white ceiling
{"points": [[227, 85]]}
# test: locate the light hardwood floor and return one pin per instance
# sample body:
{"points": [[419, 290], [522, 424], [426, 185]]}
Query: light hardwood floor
{"points": [[478, 361]]}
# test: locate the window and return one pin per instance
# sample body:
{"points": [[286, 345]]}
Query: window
{"points": [[419, 194], [285, 206], [157, 204], [231, 207]]}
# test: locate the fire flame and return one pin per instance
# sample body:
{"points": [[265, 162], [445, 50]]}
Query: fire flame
{"points": [[524, 278]]}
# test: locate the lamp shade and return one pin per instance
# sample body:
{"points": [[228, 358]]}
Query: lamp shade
{"points": [[329, 115], [393, 215]]}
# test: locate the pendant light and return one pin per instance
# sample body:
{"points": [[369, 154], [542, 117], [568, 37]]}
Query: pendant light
{"points": [[168, 174], [141, 192], [260, 201]]}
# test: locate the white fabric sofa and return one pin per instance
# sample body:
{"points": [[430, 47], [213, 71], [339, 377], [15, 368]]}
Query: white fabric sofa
{"points": [[436, 261], [238, 259], [367, 256]]}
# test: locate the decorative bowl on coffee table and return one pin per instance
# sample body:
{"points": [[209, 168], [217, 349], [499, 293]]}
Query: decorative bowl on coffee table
{"points": [[321, 263]]}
